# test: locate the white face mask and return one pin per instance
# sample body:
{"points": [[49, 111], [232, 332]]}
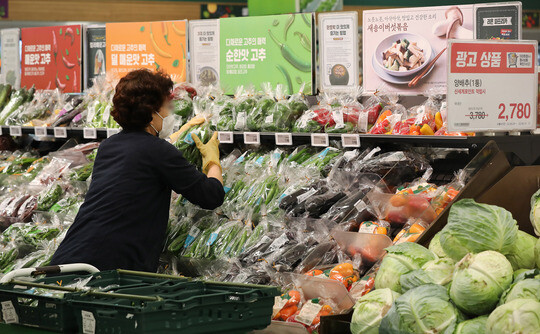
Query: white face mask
{"points": [[167, 126]]}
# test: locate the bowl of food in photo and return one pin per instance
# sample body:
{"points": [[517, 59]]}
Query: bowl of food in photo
{"points": [[339, 76], [403, 54]]}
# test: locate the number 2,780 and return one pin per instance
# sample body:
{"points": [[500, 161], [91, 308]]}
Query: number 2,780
{"points": [[518, 110]]}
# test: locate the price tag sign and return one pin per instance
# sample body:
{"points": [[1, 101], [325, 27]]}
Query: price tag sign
{"points": [[60, 132], [15, 131], [492, 85], [350, 140], [40, 131], [320, 139], [225, 137], [89, 133], [253, 138], [112, 132], [284, 139]]}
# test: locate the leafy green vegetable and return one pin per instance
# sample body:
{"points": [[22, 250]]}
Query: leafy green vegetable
{"points": [[473, 227], [517, 316], [435, 246], [433, 272], [473, 326], [527, 288], [522, 254], [535, 212], [370, 309], [479, 281]]}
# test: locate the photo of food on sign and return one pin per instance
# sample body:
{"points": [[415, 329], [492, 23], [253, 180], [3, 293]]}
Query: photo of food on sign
{"points": [[405, 50]]}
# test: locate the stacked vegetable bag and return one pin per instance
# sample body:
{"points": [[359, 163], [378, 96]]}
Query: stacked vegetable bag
{"points": [[480, 275]]}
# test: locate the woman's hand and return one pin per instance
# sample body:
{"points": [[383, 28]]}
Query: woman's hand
{"points": [[210, 155], [192, 122]]}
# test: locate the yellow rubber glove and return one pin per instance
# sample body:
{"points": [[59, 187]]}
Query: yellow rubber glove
{"points": [[191, 123], [209, 151]]}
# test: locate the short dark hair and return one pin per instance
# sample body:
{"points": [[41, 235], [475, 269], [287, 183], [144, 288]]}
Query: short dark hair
{"points": [[139, 94]]}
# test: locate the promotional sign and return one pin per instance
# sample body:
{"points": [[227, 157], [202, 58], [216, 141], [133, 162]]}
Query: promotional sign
{"points": [[492, 85], [338, 55], [95, 50], [204, 50], [498, 21], [399, 46], [152, 45], [274, 49], [265, 7], [11, 62], [51, 58]]}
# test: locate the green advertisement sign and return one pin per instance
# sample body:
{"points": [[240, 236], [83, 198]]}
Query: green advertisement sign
{"points": [[274, 49]]}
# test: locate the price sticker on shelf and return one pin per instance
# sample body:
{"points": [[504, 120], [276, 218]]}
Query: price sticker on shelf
{"points": [[40, 131], [15, 131], [253, 138], [60, 132], [284, 139], [88, 322], [350, 140], [89, 133], [9, 314], [226, 137], [492, 85], [320, 139], [112, 132]]}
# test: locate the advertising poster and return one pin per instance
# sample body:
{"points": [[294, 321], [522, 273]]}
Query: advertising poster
{"points": [[11, 62], [274, 49], [51, 58], [498, 21], [204, 48], [338, 51], [399, 44], [95, 53], [152, 45]]}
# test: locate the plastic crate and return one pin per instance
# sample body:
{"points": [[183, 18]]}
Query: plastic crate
{"points": [[194, 308], [54, 312]]}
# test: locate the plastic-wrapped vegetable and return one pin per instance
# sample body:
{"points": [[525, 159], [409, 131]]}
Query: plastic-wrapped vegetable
{"points": [[50, 196]]}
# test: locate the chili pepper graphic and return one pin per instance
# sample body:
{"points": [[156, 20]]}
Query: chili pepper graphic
{"points": [[306, 21], [287, 77], [55, 46], [183, 50], [289, 24], [156, 47], [304, 40], [69, 32], [75, 81], [49, 85], [67, 63], [165, 32], [59, 84], [292, 58], [178, 31]]}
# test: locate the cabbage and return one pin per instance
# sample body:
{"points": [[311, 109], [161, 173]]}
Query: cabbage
{"points": [[433, 272], [425, 309], [535, 212], [435, 246], [518, 316], [527, 288], [522, 254], [537, 253], [479, 281], [474, 228], [523, 274], [400, 260], [370, 309], [473, 326]]}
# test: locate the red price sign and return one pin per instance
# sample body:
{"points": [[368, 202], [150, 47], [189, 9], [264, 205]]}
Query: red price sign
{"points": [[492, 85]]}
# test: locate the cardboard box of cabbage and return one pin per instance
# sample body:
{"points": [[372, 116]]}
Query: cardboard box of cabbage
{"points": [[480, 273]]}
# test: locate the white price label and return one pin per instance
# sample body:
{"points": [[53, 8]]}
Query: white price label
{"points": [[226, 137], [253, 138], [350, 140], [8, 313], [284, 139], [40, 131], [278, 305], [308, 313], [112, 132], [89, 133], [60, 132], [320, 139], [88, 322], [15, 131]]}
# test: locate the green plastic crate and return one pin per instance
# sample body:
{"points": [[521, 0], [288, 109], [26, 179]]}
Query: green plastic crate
{"points": [[54, 313], [196, 308]]}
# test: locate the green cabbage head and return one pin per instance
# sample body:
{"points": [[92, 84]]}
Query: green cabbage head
{"points": [[370, 309], [473, 228], [435, 246], [518, 316], [473, 326], [401, 259], [433, 272], [522, 254], [535, 212], [479, 281], [537, 253], [528, 288], [425, 309]]}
